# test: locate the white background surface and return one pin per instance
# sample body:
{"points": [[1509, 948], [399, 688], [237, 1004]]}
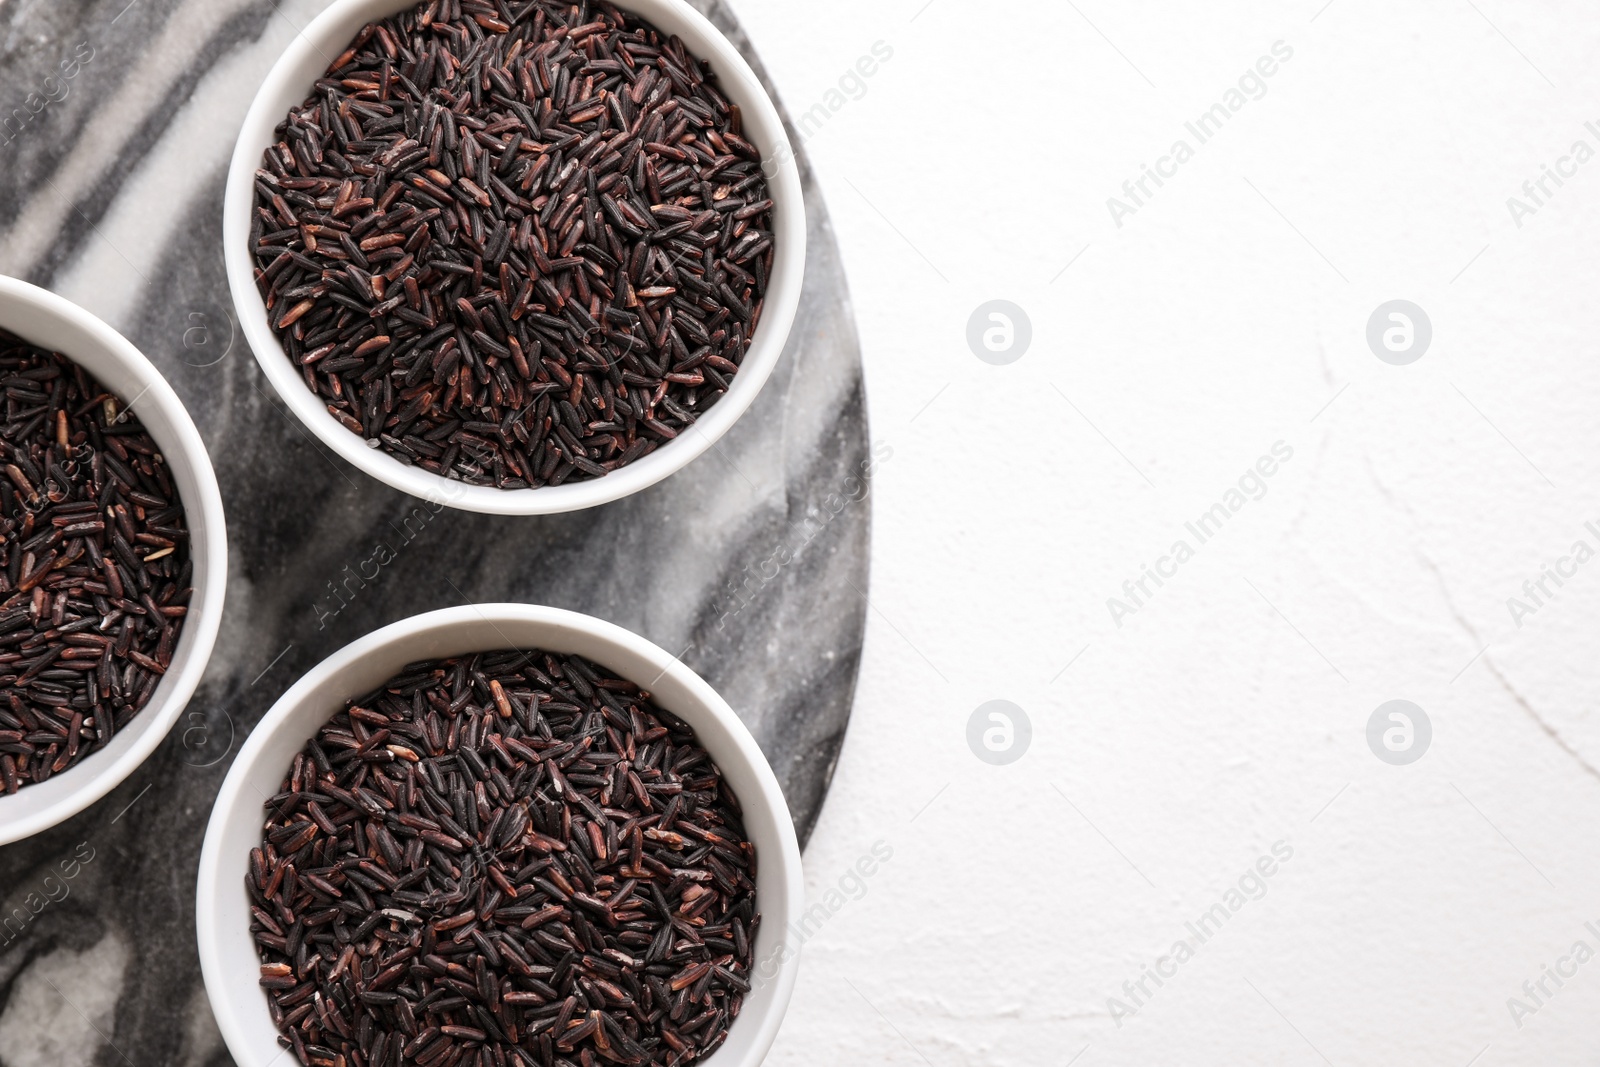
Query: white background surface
{"points": [[1220, 318]]}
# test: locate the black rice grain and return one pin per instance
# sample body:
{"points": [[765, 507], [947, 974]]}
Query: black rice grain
{"points": [[95, 571], [514, 243], [508, 859]]}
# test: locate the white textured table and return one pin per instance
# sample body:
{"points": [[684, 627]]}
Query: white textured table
{"points": [[1220, 318]]}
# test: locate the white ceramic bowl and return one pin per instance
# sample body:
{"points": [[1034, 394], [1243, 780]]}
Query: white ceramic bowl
{"points": [[49, 321], [227, 954], [288, 83]]}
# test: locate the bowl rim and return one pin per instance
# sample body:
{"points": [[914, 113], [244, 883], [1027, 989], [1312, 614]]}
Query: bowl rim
{"points": [[332, 28], [782, 871], [201, 632]]}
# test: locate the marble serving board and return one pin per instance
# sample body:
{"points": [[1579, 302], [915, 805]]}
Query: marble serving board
{"points": [[116, 125]]}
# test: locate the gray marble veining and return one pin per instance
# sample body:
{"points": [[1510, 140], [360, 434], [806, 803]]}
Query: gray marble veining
{"points": [[116, 123]]}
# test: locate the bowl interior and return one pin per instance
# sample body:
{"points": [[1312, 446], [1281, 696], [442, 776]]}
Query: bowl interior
{"points": [[227, 953], [307, 57], [50, 321]]}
